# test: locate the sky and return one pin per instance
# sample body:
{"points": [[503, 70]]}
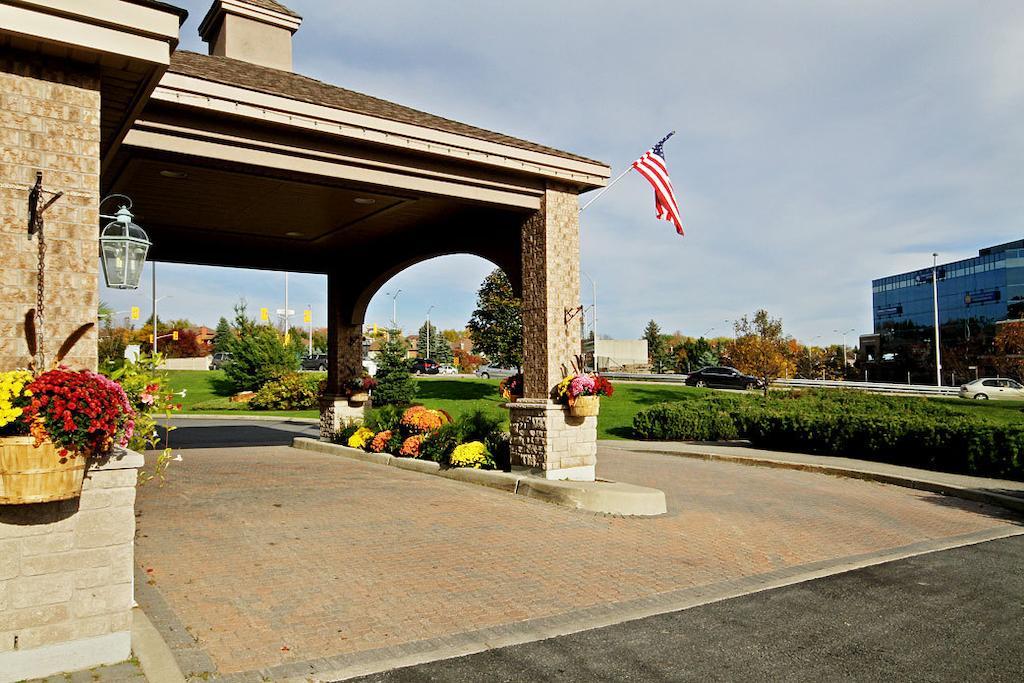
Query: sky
{"points": [[819, 144]]}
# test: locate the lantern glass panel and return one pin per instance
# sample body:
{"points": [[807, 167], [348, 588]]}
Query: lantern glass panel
{"points": [[136, 261], [114, 263]]}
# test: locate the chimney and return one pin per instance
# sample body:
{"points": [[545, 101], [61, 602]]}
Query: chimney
{"points": [[255, 31]]}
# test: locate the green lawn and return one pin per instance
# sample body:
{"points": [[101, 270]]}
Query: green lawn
{"points": [[208, 392]]}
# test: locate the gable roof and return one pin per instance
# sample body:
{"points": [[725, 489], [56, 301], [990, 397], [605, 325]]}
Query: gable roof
{"points": [[304, 89]]}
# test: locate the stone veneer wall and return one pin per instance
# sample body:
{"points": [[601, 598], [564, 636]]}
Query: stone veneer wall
{"points": [[543, 434], [551, 284], [546, 437], [66, 577], [49, 122]]}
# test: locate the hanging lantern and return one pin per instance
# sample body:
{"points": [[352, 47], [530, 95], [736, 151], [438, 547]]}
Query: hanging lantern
{"points": [[123, 249]]}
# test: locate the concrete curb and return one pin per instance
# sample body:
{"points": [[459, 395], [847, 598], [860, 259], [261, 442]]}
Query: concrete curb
{"points": [[943, 488], [606, 497], [249, 418], [154, 655]]}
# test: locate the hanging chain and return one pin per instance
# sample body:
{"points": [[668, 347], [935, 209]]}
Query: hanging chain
{"points": [[39, 293]]}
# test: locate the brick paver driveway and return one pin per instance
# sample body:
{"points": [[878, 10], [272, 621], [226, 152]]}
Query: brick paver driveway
{"points": [[287, 562]]}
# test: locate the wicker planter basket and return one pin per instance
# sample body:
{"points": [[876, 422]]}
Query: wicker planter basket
{"points": [[37, 475], [585, 406], [359, 398]]}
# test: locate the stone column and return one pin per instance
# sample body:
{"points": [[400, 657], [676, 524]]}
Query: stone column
{"points": [[66, 573], [344, 357], [49, 122], [544, 436]]}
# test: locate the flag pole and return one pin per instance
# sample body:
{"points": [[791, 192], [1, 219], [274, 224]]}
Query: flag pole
{"points": [[606, 188], [617, 179]]}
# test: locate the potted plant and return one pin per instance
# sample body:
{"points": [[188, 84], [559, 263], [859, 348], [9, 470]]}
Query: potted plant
{"points": [[512, 388], [359, 389], [52, 422], [582, 392]]}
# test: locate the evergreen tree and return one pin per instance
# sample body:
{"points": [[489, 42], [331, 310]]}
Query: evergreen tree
{"points": [[657, 351], [497, 322], [440, 349], [223, 335], [258, 353], [395, 384]]}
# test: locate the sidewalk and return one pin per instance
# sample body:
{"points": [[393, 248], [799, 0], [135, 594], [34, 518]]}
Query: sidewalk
{"points": [[1002, 492]]}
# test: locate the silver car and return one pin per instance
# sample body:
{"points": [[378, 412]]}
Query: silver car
{"points": [[994, 388], [489, 371]]}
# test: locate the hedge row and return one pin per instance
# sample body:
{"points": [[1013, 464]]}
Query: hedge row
{"points": [[896, 430]]}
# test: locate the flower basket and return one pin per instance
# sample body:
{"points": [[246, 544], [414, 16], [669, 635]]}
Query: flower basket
{"points": [[359, 398], [37, 475], [585, 406]]}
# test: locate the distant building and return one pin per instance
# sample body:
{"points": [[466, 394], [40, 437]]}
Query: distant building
{"points": [[974, 295], [617, 354], [988, 287]]}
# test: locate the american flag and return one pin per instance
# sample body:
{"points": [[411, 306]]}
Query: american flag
{"points": [[652, 167]]}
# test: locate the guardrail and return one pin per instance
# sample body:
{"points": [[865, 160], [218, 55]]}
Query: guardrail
{"points": [[877, 387]]}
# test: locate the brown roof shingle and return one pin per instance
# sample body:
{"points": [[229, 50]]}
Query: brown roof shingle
{"points": [[275, 6], [304, 89]]}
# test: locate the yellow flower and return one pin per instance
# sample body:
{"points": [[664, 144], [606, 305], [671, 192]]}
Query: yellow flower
{"points": [[12, 386], [360, 438], [473, 454]]}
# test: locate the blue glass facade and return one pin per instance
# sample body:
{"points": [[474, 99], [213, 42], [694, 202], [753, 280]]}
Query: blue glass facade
{"points": [[983, 289]]}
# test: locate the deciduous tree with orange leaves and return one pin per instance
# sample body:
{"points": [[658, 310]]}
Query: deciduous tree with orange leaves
{"points": [[760, 348]]}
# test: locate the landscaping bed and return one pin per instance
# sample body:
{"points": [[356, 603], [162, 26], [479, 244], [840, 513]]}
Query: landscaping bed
{"points": [[936, 434]]}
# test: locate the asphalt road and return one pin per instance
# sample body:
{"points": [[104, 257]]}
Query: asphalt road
{"points": [[956, 615], [228, 433]]}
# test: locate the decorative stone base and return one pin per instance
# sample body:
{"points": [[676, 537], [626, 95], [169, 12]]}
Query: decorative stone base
{"points": [[66, 571], [551, 442], [336, 412]]}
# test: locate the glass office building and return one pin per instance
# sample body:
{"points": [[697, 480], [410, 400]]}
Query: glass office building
{"points": [[977, 291]]}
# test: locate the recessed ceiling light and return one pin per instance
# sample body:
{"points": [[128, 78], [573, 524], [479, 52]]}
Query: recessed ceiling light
{"points": [[364, 200], [173, 174], [294, 234]]}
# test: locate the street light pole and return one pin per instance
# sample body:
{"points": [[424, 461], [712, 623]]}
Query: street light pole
{"points": [[844, 333], [593, 327], [310, 307], [153, 264], [428, 330], [394, 308], [935, 310]]}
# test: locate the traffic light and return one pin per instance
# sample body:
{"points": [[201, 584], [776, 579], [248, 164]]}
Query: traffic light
{"points": [[150, 339], [375, 329], [307, 316], [135, 312], [264, 315], [174, 335]]}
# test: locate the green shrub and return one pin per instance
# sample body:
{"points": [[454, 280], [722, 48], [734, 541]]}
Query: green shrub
{"points": [[899, 430], [294, 391], [686, 421], [477, 425], [386, 418], [257, 356], [438, 446], [498, 445]]}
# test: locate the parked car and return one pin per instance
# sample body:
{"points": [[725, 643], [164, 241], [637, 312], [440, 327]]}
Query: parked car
{"points": [[489, 371], [219, 360], [994, 388], [446, 369], [722, 378], [425, 366], [318, 361]]}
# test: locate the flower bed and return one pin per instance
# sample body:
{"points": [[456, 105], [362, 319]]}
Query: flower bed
{"points": [[475, 440]]}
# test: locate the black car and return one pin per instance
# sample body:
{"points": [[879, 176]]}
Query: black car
{"points": [[722, 378], [318, 361], [425, 366]]}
